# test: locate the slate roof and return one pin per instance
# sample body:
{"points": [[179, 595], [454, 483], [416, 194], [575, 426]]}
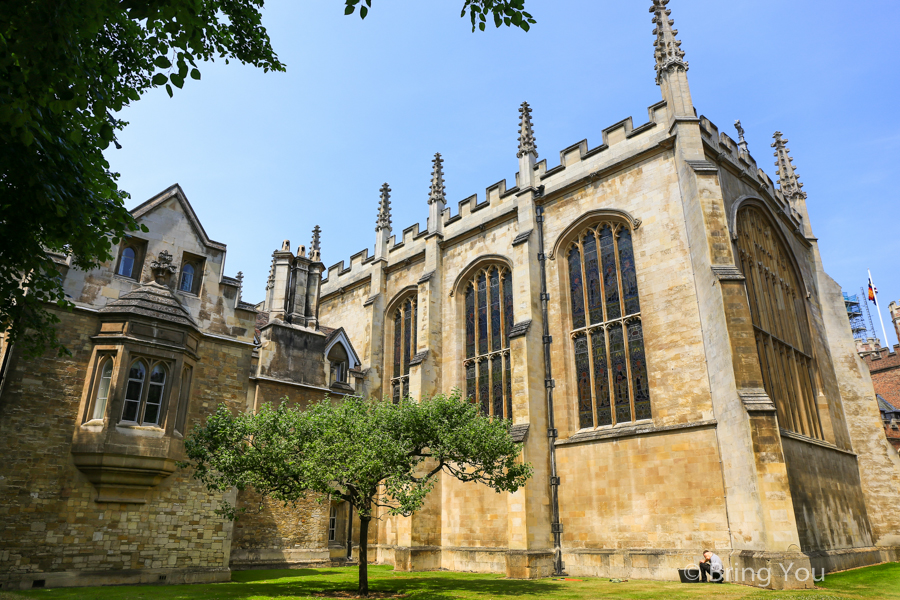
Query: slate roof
{"points": [[154, 301]]}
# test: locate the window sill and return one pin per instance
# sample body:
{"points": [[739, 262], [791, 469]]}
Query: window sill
{"points": [[630, 429], [188, 294], [135, 429], [124, 278]]}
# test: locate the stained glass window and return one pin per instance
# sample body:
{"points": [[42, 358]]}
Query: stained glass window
{"points": [[780, 322], [576, 288], [404, 346], [610, 369], [488, 306]]}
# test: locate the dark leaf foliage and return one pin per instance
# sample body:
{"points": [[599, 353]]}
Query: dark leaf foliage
{"points": [[66, 66]]}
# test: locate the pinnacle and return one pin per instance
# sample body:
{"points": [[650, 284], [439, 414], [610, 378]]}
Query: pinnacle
{"points": [[526, 132], [788, 180], [315, 247], [669, 55], [384, 209], [437, 192]]}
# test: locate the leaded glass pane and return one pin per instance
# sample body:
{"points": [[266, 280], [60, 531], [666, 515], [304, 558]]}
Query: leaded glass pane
{"points": [[103, 389], [126, 264], [495, 310], [133, 391], [583, 374], [507, 306], [497, 385], [470, 321], [482, 315], [618, 360], [601, 378], [509, 412], [407, 330], [592, 275], [610, 275], [398, 345], [483, 387], [638, 371], [629, 276], [471, 392], [405, 391], [576, 288]]}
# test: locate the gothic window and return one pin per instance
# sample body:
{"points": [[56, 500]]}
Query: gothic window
{"points": [[126, 262], [187, 278], [103, 385], [332, 523], [488, 307], [610, 364], [779, 323], [143, 396], [404, 346]]}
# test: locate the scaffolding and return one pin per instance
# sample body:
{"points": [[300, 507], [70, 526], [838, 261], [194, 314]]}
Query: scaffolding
{"points": [[855, 315]]}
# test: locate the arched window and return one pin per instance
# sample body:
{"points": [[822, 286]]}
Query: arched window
{"points": [[103, 389], [489, 319], [610, 365], [780, 323], [337, 359], [126, 262], [404, 317], [134, 391], [187, 278], [144, 403]]}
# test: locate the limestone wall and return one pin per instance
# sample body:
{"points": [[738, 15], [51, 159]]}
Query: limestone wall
{"points": [[52, 529]]}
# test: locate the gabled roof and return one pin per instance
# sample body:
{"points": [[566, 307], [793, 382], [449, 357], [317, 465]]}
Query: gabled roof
{"points": [[176, 191], [333, 336], [884, 405]]}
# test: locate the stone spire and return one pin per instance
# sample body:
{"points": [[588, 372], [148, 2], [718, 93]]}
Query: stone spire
{"points": [[669, 55], [383, 221], [788, 181], [437, 193], [315, 247], [526, 133]]}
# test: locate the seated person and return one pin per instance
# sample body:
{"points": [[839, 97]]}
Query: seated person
{"points": [[712, 565]]}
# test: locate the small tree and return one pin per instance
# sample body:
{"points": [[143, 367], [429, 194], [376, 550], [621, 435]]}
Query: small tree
{"points": [[369, 453]]}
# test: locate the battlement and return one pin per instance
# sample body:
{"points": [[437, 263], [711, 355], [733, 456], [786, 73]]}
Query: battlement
{"points": [[575, 161], [744, 162]]}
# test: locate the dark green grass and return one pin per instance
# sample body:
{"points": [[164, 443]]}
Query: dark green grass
{"points": [[873, 583]]}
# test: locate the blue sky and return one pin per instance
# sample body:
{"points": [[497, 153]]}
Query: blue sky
{"points": [[266, 156]]}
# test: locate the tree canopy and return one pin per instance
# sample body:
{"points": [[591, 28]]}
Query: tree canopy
{"points": [[380, 457], [67, 67]]}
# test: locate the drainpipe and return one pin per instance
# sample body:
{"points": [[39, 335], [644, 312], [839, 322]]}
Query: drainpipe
{"points": [[556, 527]]}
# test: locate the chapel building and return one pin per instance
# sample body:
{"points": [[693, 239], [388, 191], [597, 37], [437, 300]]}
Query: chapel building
{"points": [[652, 314]]}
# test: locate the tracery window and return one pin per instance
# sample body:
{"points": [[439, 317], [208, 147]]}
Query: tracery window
{"points": [[404, 346], [489, 319], [103, 385], [610, 363], [143, 396], [779, 322]]}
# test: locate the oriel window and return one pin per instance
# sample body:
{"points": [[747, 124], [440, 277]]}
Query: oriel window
{"points": [[779, 322], [607, 333], [404, 318], [488, 307]]}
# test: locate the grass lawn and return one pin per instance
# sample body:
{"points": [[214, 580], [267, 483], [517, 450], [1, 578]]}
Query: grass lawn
{"points": [[876, 583]]}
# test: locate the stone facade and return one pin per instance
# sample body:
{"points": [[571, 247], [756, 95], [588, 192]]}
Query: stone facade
{"points": [[713, 463]]}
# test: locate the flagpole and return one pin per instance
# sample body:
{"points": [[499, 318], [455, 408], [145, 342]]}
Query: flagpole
{"points": [[878, 310]]}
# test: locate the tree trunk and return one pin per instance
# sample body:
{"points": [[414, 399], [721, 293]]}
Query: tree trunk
{"points": [[363, 556]]}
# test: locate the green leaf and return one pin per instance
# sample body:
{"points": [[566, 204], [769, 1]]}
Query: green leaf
{"points": [[27, 137], [169, 90], [177, 80], [106, 132], [195, 74], [349, 9], [159, 79], [363, 11], [162, 62]]}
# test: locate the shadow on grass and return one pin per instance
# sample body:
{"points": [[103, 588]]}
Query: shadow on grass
{"points": [[436, 585]]}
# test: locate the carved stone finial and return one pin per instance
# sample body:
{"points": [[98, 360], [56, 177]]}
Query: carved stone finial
{"points": [[240, 279], [301, 250], [526, 132], [788, 178], [162, 268], [286, 246], [315, 248], [437, 193], [740, 129], [383, 221], [669, 55], [271, 280]]}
